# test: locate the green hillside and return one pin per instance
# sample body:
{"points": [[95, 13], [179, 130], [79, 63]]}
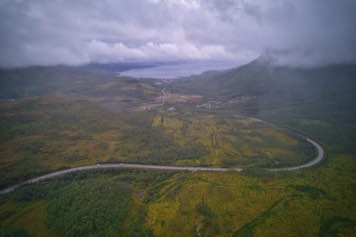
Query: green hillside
{"points": [[54, 118], [319, 102]]}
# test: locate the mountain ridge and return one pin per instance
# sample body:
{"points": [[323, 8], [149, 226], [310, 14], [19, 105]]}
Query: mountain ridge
{"points": [[286, 96]]}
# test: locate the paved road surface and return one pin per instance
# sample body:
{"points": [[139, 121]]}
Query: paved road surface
{"points": [[316, 160], [106, 166]]}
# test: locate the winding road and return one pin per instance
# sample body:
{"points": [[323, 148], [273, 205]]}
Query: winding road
{"points": [[317, 159]]}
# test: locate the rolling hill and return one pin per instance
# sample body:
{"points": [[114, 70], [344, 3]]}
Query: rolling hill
{"points": [[53, 118], [317, 101]]}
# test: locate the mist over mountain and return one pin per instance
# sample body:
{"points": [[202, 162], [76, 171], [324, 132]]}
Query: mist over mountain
{"points": [[281, 94], [302, 33], [177, 118], [286, 95]]}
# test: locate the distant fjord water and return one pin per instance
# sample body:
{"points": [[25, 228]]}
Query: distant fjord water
{"points": [[174, 70]]}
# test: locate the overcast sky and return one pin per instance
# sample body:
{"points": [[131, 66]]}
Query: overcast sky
{"points": [[297, 32]]}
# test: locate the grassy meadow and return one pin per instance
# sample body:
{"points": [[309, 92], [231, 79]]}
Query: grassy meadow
{"points": [[44, 134], [235, 141], [61, 119], [313, 202]]}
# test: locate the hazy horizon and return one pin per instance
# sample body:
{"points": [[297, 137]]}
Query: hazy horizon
{"points": [[305, 33], [179, 69]]}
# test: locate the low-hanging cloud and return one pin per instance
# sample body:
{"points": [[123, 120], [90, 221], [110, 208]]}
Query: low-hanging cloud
{"points": [[105, 52], [303, 32]]}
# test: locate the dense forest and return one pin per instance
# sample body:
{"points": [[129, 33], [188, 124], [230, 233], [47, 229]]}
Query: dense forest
{"points": [[63, 118]]}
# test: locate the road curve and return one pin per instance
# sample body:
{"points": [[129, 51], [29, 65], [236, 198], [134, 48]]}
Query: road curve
{"points": [[106, 166], [317, 159]]}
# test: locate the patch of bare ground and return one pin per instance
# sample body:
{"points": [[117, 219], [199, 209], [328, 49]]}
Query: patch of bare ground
{"points": [[145, 107], [241, 99], [178, 98], [171, 98]]}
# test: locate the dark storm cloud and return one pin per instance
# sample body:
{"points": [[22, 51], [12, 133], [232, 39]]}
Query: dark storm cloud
{"points": [[299, 32]]}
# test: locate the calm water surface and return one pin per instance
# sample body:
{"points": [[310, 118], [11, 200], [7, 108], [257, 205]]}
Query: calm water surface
{"points": [[176, 70]]}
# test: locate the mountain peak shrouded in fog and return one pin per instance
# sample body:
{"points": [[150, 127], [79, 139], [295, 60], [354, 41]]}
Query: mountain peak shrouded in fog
{"points": [[301, 33]]}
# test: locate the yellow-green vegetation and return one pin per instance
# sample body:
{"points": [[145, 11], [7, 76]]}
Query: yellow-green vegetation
{"points": [[317, 202], [313, 202], [49, 133], [39, 135], [25, 218], [52, 119], [101, 203], [233, 141]]}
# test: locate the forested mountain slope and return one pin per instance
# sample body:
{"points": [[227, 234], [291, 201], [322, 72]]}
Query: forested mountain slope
{"points": [[318, 101]]}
